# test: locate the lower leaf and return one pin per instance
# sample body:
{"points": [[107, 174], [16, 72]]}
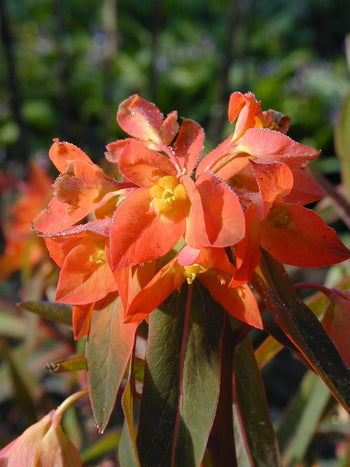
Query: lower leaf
{"points": [[182, 379]]}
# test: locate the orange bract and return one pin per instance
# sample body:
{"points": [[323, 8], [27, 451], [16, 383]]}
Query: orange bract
{"points": [[22, 245], [179, 217]]}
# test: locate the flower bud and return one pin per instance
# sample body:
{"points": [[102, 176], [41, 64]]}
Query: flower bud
{"points": [[42, 445]]}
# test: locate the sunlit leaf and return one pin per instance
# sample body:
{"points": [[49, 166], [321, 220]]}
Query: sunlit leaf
{"points": [[108, 350], [71, 364]]}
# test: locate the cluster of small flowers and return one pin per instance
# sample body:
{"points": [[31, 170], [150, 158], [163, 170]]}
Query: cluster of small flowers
{"points": [[174, 216]]}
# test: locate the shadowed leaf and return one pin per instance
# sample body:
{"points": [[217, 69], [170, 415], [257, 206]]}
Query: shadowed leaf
{"points": [[302, 327], [261, 441], [181, 387]]}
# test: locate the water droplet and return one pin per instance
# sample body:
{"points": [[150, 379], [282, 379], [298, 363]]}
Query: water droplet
{"points": [[99, 429], [132, 113]]}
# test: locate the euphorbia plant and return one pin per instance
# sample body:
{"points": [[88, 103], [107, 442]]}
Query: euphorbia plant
{"points": [[185, 250]]}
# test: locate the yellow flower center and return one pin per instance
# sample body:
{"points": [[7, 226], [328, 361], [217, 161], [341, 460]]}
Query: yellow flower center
{"points": [[279, 217], [190, 272], [169, 197], [99, 256]]}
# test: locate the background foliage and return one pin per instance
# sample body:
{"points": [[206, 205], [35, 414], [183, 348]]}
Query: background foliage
{"points": [[66, 65]]}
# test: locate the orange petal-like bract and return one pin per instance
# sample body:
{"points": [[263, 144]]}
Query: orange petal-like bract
{"points": [[43, 443], [175, 216]]}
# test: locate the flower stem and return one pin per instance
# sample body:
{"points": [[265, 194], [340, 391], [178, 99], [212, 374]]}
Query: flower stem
{"points": [[69, 401]]}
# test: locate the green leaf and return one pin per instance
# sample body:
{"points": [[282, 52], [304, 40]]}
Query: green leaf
{"points": [[302, 419], [70, 364], [342, 142], [51, 310], [108, 350], [302, 327], [267, 350], [255, 420], [127, 452], [271, 346], [182, 379]]}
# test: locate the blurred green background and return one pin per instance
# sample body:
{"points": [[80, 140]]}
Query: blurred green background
{"points": [[66, 64]]}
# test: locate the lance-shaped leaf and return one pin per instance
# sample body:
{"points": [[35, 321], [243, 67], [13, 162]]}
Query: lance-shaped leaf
{"points": [[70, 364], [108, 350], [302, 327], [182, 380], [127, 451], [253, 409], [51, 310]]}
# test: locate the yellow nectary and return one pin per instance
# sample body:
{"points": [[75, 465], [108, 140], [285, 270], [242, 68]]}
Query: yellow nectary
{"points": [[169, 197], [190, 272]]}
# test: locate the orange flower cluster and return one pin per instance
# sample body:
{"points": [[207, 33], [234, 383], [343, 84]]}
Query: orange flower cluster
{"points": [[176, 216], [23, 248]]}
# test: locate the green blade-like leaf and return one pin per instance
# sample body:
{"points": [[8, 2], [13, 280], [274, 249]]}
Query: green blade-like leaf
{"points": [[182, 380], [51, 310], [127, 452], [201, 376], [160, 397], [303, 416], [302, 327], [317, 304], [342, 142], [252, 406], [267, 350], [70, 364], [108, 350]]}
